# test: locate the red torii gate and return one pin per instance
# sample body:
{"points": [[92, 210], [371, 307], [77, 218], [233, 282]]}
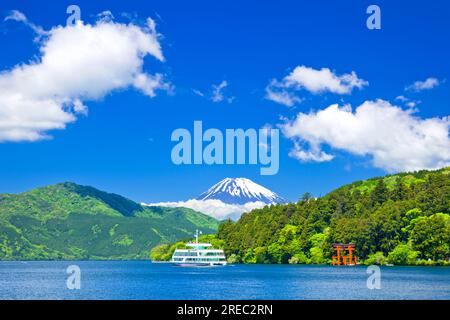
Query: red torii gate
{"points": [[346, 260]]}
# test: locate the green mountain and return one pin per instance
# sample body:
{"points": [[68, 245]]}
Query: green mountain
{"points": [[400, 219], [69, 221]]}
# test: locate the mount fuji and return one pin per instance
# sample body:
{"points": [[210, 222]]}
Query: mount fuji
{"points": [[228, 199], [240, 191]]}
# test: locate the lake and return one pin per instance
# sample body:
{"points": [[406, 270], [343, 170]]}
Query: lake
{"points": [[144, 280]]}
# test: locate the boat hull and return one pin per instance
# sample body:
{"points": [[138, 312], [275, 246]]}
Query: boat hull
{"points": [[198, 255], [199, 264]]}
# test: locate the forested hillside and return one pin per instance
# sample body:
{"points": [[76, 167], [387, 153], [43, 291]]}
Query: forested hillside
{"points": [[400, 219], [69, 221]]}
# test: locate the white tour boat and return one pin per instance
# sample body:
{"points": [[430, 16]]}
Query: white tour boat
{"points": [[198, 254]]}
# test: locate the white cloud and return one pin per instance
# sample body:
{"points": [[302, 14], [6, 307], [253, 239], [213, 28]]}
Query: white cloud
{"points": [[198, 93], [402, 98], [76, 63], [312, 155], [148, 84], [278, 93], [18, 16], [213, 208], [312, 80], [395, 139], [105, 16], [427, 84], [408, 102], [317, 81], [412, 104], [217, 93], [79, 107]]}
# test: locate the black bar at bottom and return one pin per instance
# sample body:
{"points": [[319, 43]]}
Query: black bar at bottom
{"points": [[226, 309]]}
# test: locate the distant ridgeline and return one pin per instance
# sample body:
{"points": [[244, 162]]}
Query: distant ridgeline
{"points": [[69, 221], [400, 219]]}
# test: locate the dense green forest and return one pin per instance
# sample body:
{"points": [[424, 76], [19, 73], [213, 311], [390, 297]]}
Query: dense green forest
{"points": [[69, 221], [401, 219]]}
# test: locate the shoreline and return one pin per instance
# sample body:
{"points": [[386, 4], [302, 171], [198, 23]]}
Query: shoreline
{"points": [[231, 264]]}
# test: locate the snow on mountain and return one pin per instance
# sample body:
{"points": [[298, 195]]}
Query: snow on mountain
{"points": [[240, 191], [214, 208], [228, 199]]}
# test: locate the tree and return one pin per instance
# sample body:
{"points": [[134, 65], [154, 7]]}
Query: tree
{"points": [[400, 191], [317, 241], [381, 193], [299, 258], [249, 257], [431, 236], [403, 255], [376, 258], [306, 197], [157, 252], [164, 252], [233, 258], [260, 254]]}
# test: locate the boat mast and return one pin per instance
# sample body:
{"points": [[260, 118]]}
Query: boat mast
{"points": [[196, 236]]}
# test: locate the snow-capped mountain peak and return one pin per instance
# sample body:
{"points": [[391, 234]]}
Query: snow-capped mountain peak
{"points": [[240, 191]]}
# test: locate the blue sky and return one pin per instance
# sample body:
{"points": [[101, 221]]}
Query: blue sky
{"points": [[123, 144]]}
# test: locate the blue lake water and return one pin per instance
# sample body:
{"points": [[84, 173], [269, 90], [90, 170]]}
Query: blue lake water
{"points": [[144, 280]]}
